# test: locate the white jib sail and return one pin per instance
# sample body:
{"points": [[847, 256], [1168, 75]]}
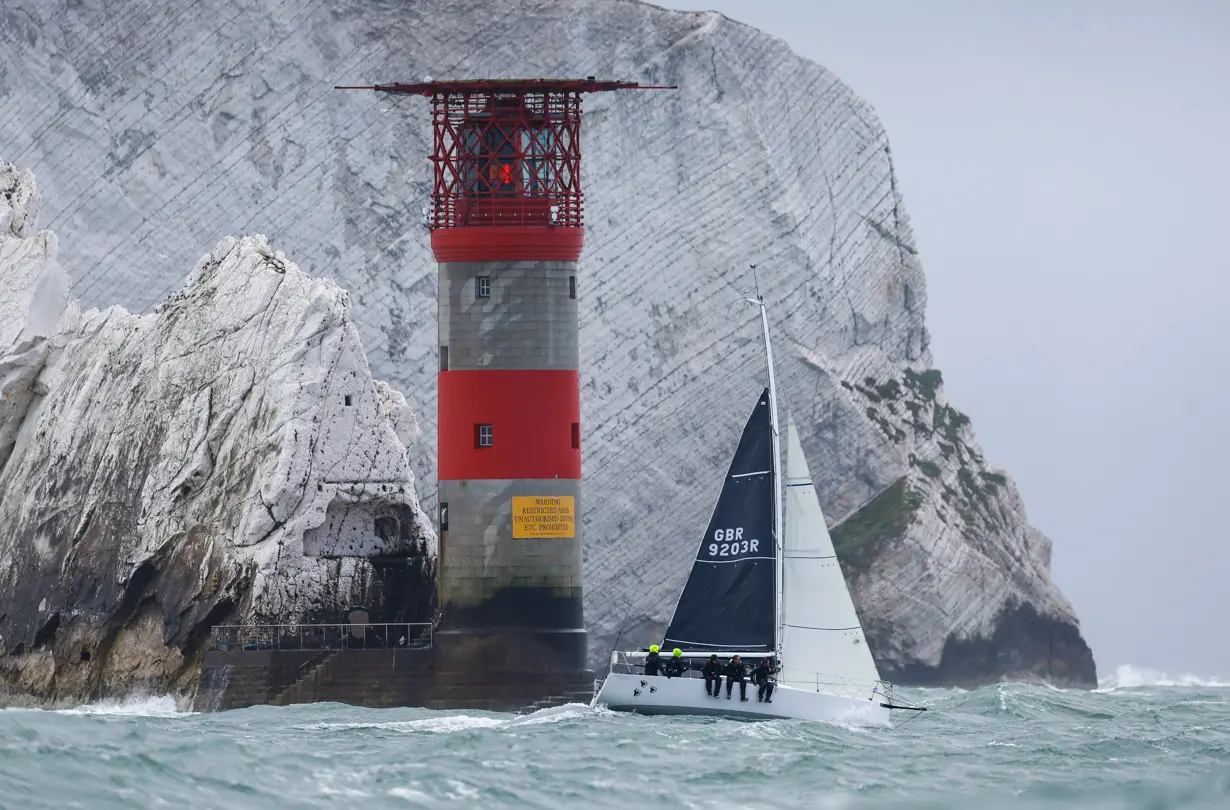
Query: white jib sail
{"points": [[822, 643]]}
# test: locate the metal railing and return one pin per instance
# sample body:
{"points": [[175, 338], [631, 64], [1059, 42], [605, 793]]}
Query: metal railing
{"points": [[343, 636], [633, 663], [830, 684]]}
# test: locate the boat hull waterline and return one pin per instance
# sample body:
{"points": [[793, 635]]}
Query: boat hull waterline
{"points": [[655, 695]]}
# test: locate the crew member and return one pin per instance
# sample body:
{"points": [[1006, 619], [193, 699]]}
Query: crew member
{"points": [[762, 676], [713, 676], [736, 672], [675, 667], [652, 663]]}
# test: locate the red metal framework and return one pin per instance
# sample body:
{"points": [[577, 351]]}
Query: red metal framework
{"points": [[507, 159], [507, 153]]}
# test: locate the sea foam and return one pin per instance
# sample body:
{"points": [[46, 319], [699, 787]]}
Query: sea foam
{"points": [[133, 706], [1128, 676]]}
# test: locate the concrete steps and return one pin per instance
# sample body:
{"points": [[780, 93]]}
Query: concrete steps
{"points": [[233, 680], [375, 678], [309, 672]]}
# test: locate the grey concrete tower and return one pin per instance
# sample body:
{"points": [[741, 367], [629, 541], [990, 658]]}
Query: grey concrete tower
{"points": [[510, 464], [507, 231]]}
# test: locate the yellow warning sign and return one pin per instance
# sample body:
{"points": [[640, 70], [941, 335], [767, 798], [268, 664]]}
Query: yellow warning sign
{"points": [[546, 517]]}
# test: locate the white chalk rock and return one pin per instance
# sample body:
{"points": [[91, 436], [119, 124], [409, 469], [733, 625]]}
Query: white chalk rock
{"points": [[234, 433], [760, 157]]}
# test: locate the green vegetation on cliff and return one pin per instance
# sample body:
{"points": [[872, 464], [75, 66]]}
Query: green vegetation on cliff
{"points": [[859, 538]]}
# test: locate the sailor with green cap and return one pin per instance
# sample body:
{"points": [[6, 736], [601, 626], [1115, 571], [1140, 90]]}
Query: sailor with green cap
{"points": [[652, 663], [676, 666]]}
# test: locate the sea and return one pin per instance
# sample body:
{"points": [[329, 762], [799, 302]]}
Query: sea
{"points": [[1142, 740]]}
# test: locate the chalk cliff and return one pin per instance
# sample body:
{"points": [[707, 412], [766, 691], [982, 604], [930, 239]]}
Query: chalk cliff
{"points": [[224, 458], [158, 125]]}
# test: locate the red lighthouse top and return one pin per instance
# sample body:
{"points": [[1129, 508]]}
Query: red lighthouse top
{"points": [[507, 160]]}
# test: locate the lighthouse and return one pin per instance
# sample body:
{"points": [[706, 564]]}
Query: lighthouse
{"points": [[507, 228]]}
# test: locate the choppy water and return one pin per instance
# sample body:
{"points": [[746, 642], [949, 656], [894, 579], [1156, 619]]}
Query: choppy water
{"points": [[1138, 743]]}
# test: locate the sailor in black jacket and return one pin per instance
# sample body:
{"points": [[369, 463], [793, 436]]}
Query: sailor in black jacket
{"points": [[712, 671], [652, 662], [675, 666], [736, 672], [762, 676]]}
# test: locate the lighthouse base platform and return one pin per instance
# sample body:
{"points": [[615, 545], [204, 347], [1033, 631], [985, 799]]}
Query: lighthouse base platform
{"points": [[387, 678]]}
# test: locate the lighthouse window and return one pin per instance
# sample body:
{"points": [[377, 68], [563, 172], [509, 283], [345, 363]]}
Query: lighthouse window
{"points": [[500, 145], [537, 170], [576, 436], [489, 157], [346, 399], [484, 287], [443, 358], [483, 436], [572, 286]]}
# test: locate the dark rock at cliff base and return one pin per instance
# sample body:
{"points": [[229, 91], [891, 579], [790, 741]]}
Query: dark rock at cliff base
{"points": [[1024, 647]]}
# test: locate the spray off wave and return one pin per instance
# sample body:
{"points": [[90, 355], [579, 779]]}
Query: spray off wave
{"points": [[1128, 676], [132, 706]]}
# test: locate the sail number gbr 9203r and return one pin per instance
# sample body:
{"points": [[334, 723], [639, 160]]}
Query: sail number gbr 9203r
{"points": [[729, 543]]}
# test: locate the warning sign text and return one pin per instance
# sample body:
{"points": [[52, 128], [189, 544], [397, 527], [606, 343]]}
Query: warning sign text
{"points": [[544, 517]]}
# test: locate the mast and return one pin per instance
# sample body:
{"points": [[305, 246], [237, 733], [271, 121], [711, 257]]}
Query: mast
{"points": [[778, 535]]}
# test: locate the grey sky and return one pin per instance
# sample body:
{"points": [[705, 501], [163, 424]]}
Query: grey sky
{"points": [[1065, 169]]}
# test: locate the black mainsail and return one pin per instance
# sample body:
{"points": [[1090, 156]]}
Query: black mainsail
{"points": [[729, 601]]}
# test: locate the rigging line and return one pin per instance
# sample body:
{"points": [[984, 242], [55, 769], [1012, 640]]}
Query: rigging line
{"points": [[834, 629], [908, 719], [730, 647], [954, 708]]}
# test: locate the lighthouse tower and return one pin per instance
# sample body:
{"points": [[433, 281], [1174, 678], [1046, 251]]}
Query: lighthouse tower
{"points": [[507, 231]]}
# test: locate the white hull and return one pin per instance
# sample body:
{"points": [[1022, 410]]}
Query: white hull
{"points": [[653, 694]]}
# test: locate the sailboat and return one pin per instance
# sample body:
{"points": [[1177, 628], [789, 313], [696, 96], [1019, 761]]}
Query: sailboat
{"points": [[757, 591]]}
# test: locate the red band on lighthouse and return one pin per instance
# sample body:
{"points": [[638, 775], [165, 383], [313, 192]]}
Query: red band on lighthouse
{"points": [[528, 418], [508, 243]]}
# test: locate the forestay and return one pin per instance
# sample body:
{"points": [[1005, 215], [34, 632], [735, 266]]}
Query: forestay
{"points": [[822, 637], [728, 602]]}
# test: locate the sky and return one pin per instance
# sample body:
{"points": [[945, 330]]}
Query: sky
{"points": [[1065, 169]]}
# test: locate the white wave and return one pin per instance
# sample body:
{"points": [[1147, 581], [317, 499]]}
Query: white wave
{"points": [[859, 724], [937, 690], [760, 731], [458, 791], [1128, 676], [133, 706], [416, 797], [450, 723], [446, 724], [553, 714]]}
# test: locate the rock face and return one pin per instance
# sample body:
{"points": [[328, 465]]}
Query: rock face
{"points": [[225, 458], [210, 117]]}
